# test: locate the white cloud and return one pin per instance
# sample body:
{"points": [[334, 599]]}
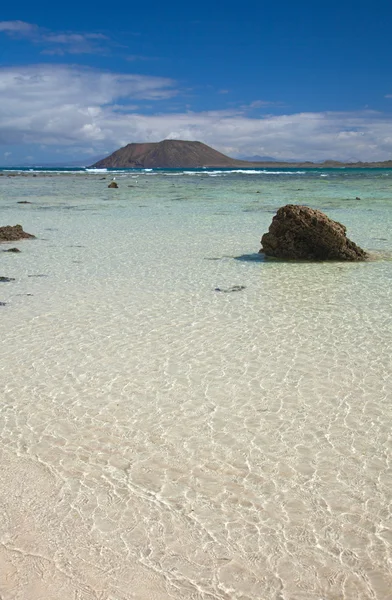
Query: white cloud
{"points": [[84, 110], [73, 38], [260, 103], [64, 105], [56, 42], [17, 27]]}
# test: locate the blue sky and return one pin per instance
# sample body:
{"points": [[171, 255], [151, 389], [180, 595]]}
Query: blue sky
{"points": [[289, 80]]}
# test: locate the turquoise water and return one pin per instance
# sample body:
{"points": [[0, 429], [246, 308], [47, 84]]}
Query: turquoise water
{"points": [[161, 439]]}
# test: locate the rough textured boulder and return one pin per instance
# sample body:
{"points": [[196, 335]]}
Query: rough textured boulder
{"points": [[113, 184], [299, 232], [12, 233]]}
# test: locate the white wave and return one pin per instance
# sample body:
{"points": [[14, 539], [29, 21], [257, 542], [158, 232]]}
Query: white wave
{"points": [[42, 170], [92, 170], [243, 171]]}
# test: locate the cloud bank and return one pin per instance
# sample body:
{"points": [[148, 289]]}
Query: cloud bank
{"points": [[81, 110]]}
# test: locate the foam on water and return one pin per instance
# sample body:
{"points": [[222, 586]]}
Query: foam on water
{"points": [[162, 440], [213, 173]]}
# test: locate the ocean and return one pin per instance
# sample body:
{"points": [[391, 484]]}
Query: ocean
{"points": [[166, 435]]}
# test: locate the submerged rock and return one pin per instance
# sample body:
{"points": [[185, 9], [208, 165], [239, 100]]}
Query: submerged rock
{"points": [[12, 250], [6, 279], [300, 232], [112, 184], [12, 233]]}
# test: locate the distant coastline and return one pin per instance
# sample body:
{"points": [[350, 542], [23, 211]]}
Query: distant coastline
{"points": [[42, 170], [327, 164]]}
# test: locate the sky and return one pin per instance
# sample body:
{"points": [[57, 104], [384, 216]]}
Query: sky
{"points": [[288, 80]]}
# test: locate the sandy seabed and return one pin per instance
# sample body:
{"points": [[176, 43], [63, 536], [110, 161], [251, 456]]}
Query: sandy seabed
{"points": [[161, 440]]}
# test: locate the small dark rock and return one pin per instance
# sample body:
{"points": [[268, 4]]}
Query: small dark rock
{"points": [[6, 279], [2, 303], [112, 184], [233, 288], [24, 202], [12, 233], [357, 198], [12, 250]]}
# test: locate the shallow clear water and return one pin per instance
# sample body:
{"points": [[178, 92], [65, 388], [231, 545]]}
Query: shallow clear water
{"points": [[160, 439]]}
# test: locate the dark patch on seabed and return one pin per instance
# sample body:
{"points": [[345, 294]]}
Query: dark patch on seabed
{"points": [[38, 275], [6, 279], [233, 288], [3, 303], [78, 208]]}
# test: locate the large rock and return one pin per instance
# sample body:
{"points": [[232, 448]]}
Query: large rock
{"points": [[12, 233], [299, 232]]}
